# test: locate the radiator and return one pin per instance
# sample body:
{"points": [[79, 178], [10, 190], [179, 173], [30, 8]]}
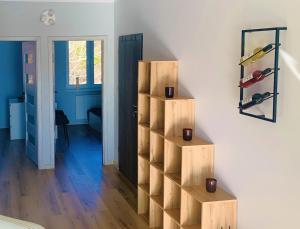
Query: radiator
{"points": [[85, 102]]}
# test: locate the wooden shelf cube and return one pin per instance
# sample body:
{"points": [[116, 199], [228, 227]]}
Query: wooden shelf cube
{"points": [[155, 215], [163, 74], [143, 204], [190, 210], [172, 161], [145, 157], [175, 177], [179, 114], [174, 214], [168, 117], [144, 109], [159, 166], [143, 141], [145, 188], [156, 148], [143, 171], [157, 115], [159, 200], [217, 210], [157, 185], [196, 163], [171, 194], [169, 222], [144, 77]]}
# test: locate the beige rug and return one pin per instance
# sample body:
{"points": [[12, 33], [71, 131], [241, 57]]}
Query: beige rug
{"points": [[10, 223]]}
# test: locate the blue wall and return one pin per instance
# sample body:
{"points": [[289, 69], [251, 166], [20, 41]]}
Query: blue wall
{"points": [[11, 72], [65, 97]]}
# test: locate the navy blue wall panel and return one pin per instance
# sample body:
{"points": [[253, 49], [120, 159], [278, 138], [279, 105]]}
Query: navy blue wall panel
{"points": [[11, 80]]}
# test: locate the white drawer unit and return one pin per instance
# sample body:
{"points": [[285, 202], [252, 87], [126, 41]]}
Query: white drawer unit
{"points": [[17, 119]]}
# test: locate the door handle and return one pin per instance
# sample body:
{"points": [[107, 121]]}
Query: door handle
{"points": [[134, 113], [134, 108]]}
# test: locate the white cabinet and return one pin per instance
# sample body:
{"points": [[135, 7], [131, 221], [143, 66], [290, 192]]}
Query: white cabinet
{"points": [[17, 119]]}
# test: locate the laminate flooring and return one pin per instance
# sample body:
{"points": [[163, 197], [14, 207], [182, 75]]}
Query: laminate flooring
{"points": [[79, 194]]}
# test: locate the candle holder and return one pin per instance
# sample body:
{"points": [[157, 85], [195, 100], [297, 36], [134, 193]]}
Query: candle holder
{"points": [[211, 185], [187, 134], [169, 92]]}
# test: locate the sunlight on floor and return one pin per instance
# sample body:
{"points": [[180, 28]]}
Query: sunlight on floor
{"points": [[291, 63]]}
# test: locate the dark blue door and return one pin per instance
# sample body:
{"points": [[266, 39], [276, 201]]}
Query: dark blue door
{"points": [[130, 52]]}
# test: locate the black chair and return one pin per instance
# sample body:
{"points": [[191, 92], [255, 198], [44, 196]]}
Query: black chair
{"points": [[62, 120]]}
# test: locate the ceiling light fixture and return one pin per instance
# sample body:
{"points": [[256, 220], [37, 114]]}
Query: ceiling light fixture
{"points": [[48, 17]]}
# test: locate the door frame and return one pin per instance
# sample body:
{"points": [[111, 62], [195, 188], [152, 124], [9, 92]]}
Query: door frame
{"points": [[104, 91], [37, 40]]}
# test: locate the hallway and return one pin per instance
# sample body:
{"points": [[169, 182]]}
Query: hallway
{"points": [[77, 195]]}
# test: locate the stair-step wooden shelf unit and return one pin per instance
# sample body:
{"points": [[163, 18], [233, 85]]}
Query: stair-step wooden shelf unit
{"points": [[171, 171]]}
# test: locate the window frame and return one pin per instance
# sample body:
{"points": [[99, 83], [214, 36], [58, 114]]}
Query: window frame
{"points": [[90, 85], [102, 62]]}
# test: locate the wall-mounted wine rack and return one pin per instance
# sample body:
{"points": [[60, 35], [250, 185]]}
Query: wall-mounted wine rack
{"points": [[275, 70]]}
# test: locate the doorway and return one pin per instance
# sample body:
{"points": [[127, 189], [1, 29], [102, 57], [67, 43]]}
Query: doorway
{"points": [[78, 72], [19, 95]]}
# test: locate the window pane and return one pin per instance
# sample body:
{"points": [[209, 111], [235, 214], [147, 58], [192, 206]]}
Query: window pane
{"points": [[77, 62], [97, 62]]}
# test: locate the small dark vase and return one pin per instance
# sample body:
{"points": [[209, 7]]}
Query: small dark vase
{"points": [[211, 185], [169, 92], [187, 134]]}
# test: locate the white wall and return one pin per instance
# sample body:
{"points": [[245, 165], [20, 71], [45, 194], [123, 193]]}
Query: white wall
{"points": [[73, 19], [255, 160]]}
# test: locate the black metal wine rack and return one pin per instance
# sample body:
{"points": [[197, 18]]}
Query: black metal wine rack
{"points": [[274, 96]]}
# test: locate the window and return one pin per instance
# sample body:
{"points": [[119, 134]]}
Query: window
{"points": [[77, 63], [97, 62], [84, 63]]}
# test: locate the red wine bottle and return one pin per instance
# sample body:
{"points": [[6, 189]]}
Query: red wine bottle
{"points": [[255, 77], [254, 100]]}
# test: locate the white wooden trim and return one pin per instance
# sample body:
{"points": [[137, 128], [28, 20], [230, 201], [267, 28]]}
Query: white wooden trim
{"points": [[19, 38], [39, 94], [105, 99]]}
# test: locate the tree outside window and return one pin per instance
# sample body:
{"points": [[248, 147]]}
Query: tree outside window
{"points": [[85, 63], [77, 62], [97, 62]]}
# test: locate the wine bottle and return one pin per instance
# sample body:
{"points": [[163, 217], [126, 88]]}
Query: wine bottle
{"points": [[245, 60], [255, 77], [254, 100], [261, 52], [256, 54]]}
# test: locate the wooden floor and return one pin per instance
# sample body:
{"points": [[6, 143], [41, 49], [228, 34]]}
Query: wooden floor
{"points": [[79, 194]]}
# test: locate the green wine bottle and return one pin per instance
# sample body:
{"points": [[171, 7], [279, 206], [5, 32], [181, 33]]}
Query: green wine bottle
{"points": [[254, 100]]}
